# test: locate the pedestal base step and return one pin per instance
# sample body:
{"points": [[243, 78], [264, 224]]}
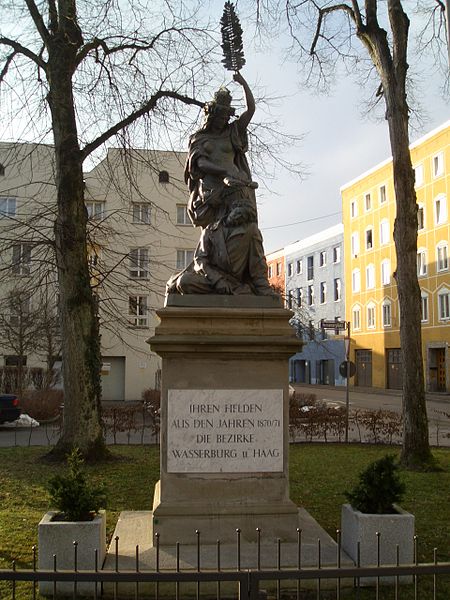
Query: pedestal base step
{"points": [[134, 528]]}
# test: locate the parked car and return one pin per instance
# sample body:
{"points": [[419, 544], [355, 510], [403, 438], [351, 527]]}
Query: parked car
{"points": [[9, 408]]}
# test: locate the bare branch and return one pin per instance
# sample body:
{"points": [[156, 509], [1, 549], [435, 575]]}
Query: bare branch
{"points": [[131, 45], [38, 20], [131, 118], [322, 14], [19, 49], [5, 68]]}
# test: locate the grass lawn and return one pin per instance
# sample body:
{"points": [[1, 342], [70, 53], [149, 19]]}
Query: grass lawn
{"points": [[319, 474]]}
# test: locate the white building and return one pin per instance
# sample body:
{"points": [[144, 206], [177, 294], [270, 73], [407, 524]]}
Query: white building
{"points": [[314, 277], [139, 234]]}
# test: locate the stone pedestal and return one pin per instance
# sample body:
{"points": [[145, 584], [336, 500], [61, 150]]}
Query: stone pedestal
{"points": [[224, 420]]}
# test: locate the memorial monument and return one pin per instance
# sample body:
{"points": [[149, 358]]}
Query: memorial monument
{"points": [[225, 341]]}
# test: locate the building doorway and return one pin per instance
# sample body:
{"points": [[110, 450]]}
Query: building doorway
{"points": [[363, 360], [113, 378], [301, 371], [437, 375], [394, 368], [325, 372]]}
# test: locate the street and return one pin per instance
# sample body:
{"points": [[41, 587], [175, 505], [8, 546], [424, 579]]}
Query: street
{"points": [[438, 405]]}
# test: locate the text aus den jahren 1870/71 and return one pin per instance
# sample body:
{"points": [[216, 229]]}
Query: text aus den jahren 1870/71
{"points": [[225, 431]]}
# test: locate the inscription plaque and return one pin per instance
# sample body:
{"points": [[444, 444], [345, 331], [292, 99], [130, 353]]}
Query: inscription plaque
{"points": [[224, 431]]}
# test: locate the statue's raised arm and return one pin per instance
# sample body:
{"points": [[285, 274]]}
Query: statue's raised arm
{"points": [[246, 116]]}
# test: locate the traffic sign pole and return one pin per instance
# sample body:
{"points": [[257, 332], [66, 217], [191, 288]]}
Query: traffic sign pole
{"points": [[347, 390]]}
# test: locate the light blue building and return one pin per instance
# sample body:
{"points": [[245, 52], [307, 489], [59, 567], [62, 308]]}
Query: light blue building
{"points": [[315, 290]]}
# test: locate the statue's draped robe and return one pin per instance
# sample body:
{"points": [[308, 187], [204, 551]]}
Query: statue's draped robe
{"points": [[230, 247]]}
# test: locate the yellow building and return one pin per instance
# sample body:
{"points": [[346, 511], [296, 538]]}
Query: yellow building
{"points": [[370, 260]]}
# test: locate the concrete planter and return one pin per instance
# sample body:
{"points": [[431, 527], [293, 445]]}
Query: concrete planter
{"points": [[57, 537], [395, 529]]}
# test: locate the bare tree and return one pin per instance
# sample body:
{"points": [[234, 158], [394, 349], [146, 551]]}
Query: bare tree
{"points": [[93, 72], [323, 35]]}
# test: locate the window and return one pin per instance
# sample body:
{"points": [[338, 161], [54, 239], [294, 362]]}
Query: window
{"points": [[421, 262], [7, 207], [15, 360], [299, 297], [290, 269], [184, 258], [337, 254], [278, 269], [354, 209], [356, 317], [299, 267], [356, 281], [370, 277], [418, 175], [442, 256], [289, 298], [19, 310], [367, 201], [444, 305], [384, 232], [310, 267], [141, 213], [382, 195], [323, 292], [438, 164], [163, 177], [138, 311], [369, 238], [371, 316], [355, 244], [95, 210], [386, 313], [323, 258], [310, 295], [440, 209], [139, 263], [21, 259], [337, 289], [311, 330], [424, 306], [386, 272], [420, 217], [94, 256], [182, 215], [270, 271]]}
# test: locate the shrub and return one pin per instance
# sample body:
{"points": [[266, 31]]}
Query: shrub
{"points": [[73, 495], [379, 487], [152, 405], [42, 405]]}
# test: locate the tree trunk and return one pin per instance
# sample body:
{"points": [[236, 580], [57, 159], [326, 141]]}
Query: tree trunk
{"points": [[392, 69], [79, 322], [416, 450]]}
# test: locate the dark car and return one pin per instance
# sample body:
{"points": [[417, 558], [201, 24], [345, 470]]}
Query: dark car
{"points": [[9, 408]]}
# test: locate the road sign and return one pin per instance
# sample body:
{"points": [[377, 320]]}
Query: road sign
{"points": [[324, 324], [343, 368]]}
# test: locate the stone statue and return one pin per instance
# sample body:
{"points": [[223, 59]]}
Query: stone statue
{"points": [[229, 258]]}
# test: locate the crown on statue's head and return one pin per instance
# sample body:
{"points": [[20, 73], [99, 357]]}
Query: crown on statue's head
{"points": [[220, 103]]}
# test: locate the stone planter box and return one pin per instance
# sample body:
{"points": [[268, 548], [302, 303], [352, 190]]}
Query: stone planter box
{"points": [[57, 537], [395, 529]]}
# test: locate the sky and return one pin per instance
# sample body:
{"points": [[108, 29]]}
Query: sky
{"points": [[339, 144]]}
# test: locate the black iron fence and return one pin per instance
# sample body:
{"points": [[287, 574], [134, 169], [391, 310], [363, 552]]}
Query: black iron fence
{"points": [[415, 581], [327, 582]]}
